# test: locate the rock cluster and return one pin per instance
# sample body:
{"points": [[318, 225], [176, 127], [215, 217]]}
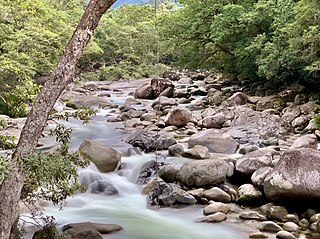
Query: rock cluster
{"points": [[237, 150]]}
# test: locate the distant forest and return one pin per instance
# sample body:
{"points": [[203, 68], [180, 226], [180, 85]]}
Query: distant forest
{"points": [[263, 44]]}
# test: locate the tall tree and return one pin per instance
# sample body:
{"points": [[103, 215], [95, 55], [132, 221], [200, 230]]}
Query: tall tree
{"points": [[11, 187]]}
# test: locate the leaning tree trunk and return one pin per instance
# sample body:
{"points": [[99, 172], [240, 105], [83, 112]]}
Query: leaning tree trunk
{"points": [[11, 187]]}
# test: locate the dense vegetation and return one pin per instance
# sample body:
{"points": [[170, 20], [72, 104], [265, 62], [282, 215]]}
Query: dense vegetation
{"points": [[270, 43]]}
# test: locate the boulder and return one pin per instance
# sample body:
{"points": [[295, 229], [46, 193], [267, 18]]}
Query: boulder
{"points": [[197, 193], [214, 121], [215, 217], [291, 218], [179, 117], [300, 99], [185, 81], [247, 149], [163, 101], [295, 177], [203, 173], [176, 150], [215, 141], [104, 157], [276, 212], [304, 224], [169, 194], [310, 108], [237, 98], [285, 235], [300, 122], [305, 141], [217, 194], [258, 235], [149, 141], [151, 185], [149, 116], [86, 178], [130, 103], [90, 101], [102, 187], [290, 227], [168, 173], [252, 161], [214, 97], [248, 194], [197, 152], [154, 89], [257, 128], [88, 230], [269, 226], [290, 113], [215, 207], [259, 176], [161, 85], [252, 216], [147, 171], [266, 103]]}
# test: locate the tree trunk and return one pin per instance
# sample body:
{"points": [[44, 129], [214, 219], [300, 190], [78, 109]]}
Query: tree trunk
{"points": [[10, 189]]}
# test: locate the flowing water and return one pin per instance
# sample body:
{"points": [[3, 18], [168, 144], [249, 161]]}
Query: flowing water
{"points": [[129, 207]]}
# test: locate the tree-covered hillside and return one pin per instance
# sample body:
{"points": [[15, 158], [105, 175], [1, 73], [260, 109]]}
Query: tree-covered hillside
{"points": [[269, 43]]}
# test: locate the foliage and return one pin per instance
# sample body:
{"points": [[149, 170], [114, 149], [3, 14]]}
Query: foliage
{"points": [[15, 102], [316, 120], [273, 43], [51, 177], [7, 142], [124, 45], [32, 36], [3, 124]]}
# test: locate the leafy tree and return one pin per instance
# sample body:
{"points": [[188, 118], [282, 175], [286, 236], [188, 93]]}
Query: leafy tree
{"points": [[11, 187], [32, 36], [272, 43], [126, 42]]}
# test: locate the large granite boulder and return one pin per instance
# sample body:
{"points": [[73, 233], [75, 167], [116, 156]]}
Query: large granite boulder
{"points": [[148, 170], [88, 230], [295, 177], [305, 141], [104, 157], [254, 160], [258, 128], [102, 187], [203, 173], [144, 92], [163, 101], [214, 97], [149, 141], [214, 121], [169, 194], [157, 87], [179, 117], [215, 141], [290, 113], [162, 86], [197, 152], [237, 98], [90, 101]]}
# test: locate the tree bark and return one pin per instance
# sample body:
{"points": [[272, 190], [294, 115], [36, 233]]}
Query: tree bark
{"points": [[11, 187]]}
